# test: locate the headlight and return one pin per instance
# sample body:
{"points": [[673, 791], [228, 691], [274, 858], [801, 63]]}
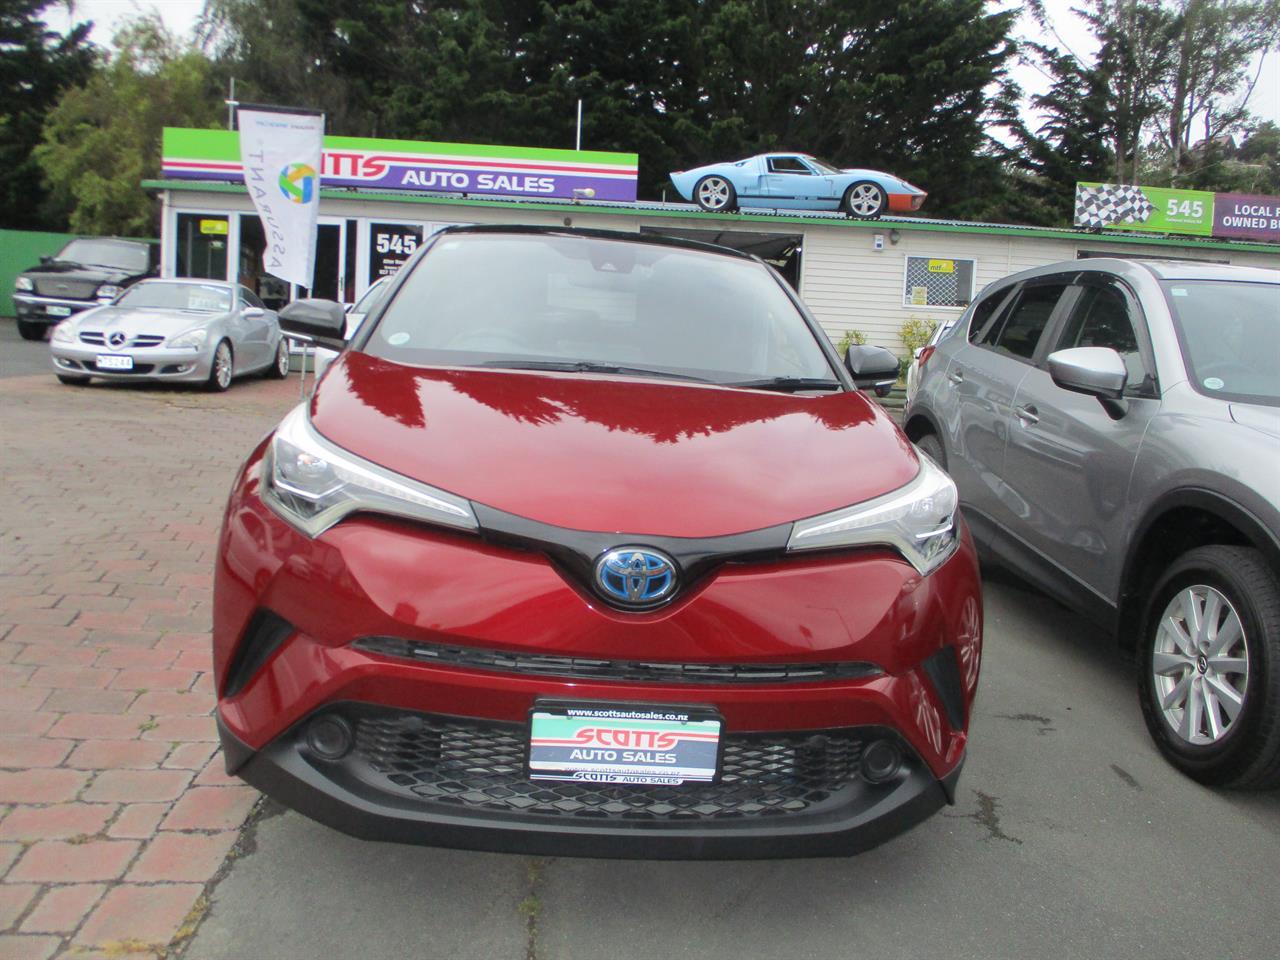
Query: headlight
{"points": [[108, 291], [63, 333], [191, 340], [917, 520], [23, 285], [312, 484]]}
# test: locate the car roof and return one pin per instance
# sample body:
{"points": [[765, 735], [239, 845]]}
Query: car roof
{"points": [[1139, 268], [651, 239]]}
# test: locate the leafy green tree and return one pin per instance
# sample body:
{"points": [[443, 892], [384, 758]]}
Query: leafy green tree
{"points": [[36, 65], [102, 139]]}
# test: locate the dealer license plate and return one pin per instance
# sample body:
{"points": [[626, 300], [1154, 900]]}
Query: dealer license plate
{"points": [[107, 362], [623, 743], [58, 311]]}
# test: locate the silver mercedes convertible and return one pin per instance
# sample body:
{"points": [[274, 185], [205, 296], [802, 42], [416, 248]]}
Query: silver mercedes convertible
{"points": [[193, 331]]}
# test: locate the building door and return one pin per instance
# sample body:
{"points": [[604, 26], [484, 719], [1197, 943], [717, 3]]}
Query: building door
{"points": [[335, 273]]}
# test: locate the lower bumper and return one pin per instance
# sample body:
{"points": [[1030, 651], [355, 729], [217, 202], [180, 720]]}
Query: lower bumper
{"points": [[854, 817], [906, 202], [149, 364], [31, 308]]}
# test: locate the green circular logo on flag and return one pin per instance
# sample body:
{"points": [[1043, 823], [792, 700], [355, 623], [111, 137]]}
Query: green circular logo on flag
{"points": [[298, 182]]}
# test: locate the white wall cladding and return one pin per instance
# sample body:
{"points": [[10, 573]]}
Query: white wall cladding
{"points": [[847, 283]]}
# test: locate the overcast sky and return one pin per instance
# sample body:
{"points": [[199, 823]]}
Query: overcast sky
{"points": [[180, 16]]}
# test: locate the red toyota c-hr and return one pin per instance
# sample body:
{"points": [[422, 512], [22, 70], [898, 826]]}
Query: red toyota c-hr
{"points": [[588, 544]]}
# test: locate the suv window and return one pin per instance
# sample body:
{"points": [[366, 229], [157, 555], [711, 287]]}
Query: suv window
{"points": [[788, 165], [982, 314], [1024, 324], [1101, 319]]}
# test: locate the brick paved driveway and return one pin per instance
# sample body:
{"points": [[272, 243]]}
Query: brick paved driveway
{"points": [[114, 811]]}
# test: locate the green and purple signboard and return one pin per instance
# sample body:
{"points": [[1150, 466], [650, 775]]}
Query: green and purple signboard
{"points": [[1164, 210], [473, 169]]}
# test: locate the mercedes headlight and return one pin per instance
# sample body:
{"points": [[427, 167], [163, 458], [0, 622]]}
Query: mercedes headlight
{"points": [[108, 291], [312, 484], [918, 520], [191, 340], [23, 285], [63, 333]]}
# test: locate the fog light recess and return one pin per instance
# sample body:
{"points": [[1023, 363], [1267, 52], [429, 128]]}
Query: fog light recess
{"points": [[881, 761], [329, 737]]}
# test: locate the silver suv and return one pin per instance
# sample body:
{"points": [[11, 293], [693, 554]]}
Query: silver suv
{"points": [[1114, 430]]}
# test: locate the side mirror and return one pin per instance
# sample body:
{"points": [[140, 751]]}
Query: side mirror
{"points": [[252, 313], [871, 367], [46, 260], [316, 321], [1096, 371]]}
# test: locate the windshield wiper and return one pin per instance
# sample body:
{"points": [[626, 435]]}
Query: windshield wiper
{"points": [[788, 384], [586, 366]]}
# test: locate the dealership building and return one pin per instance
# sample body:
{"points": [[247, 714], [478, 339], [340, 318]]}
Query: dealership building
{"points": [[866, 275]]}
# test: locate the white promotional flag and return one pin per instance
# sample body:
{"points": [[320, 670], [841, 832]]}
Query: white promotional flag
{"points": [[280, 153]]}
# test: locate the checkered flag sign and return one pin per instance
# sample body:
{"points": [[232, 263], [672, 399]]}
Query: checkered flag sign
{"points": [[1105, 204]]}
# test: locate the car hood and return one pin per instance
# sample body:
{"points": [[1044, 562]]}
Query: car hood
{"points": [[134, 320], [78, 271], [614, 454], [1263, 418]]}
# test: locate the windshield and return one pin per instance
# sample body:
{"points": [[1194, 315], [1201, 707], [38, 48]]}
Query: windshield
{"points": [[203, 297], [1229, 333], [131, 257], [508, 299]]}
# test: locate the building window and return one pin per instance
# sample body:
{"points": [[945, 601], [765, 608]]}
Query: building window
{"points": [[202, 246], [937, 282]]}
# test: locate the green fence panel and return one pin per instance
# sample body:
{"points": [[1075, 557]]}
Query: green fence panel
{"points": [[20, 249]]}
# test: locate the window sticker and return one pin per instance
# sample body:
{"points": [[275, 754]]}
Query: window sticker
{"points": [[398, 339], [1178, 291], [1213, 383]]}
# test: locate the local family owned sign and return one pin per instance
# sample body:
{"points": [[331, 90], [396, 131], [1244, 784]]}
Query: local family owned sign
{"points": [[414, 165], [1236, 216]]}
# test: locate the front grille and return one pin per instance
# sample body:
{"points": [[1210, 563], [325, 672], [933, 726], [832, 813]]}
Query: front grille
{"points": [[67, 289], [95, 338], [479, 765], [635, 671]]}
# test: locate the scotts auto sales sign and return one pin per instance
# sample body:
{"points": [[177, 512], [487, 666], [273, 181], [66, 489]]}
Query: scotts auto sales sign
{"points": [[1118, 206], [467, 168]]}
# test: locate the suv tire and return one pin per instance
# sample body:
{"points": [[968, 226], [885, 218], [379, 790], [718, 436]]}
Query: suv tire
{"points": [[1236, 586], [28, 330], [931, 445]]}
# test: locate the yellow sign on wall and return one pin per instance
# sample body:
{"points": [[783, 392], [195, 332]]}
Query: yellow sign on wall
{"points": [[942, 266], [218, 227]]}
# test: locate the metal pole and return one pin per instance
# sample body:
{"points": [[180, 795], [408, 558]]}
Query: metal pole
{"points": [[232, 103], [577, 140]]}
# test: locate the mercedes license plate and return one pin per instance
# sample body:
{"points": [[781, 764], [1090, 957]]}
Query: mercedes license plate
{"points": [[623, 743], [108, 362], [58, 311]]}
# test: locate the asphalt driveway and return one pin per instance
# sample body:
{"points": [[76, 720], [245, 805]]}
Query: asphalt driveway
{"points": [[1071, 838]]}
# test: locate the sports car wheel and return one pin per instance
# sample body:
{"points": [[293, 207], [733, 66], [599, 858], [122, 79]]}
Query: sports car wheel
{"points": [[865, 200], [220, 373], [715, 195], [1210, 687], [279, 368]]}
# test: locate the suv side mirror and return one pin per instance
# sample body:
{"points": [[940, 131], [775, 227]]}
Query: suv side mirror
{"points": [[1096, 371], [872, 367], [317, 321]]}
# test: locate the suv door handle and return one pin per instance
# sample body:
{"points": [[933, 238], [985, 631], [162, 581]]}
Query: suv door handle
{"points": [[1028, 413], [956, 377]]}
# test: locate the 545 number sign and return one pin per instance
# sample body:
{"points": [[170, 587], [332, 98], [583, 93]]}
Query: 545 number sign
{"points": [[390, 245]]}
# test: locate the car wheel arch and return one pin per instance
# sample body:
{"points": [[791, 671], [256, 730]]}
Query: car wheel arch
{"points": [[1179, 521]]}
